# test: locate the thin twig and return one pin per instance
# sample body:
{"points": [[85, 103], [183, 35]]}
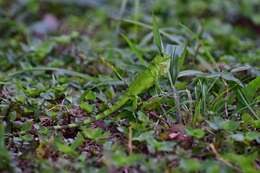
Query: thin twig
{"points": [[226, 98], [220, 158], [65, 71], [130, 137]]}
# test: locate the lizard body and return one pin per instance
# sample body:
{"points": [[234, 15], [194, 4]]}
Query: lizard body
{"points": [[143, 81]]}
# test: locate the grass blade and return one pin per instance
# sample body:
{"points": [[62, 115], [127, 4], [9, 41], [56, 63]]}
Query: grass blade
{"points": [[157, 36], [135, 50]]}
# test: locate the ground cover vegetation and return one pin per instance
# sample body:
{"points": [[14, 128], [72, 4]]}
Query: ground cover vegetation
{"points": [[64, 62]]}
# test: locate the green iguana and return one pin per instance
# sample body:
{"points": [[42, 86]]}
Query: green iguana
{"points": [[143, 81]]}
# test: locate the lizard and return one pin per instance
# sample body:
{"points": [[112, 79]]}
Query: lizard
{"points": [[143, 81]]}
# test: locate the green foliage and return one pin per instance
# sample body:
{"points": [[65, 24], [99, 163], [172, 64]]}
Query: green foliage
{"points": [[156, 36], [251, 89], [119, 159], [134, 49], [243, 161], [86, 107], [66, 149], [190, 165], [5, 159], [153, 144], [197, 133], [84, 56], [89, 95], [95, 134]]}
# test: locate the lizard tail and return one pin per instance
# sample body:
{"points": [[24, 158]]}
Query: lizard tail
{"points": [[112, 109], [100, 116]]}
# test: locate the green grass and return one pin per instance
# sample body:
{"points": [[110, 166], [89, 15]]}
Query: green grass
{"points": [[203, 116]]}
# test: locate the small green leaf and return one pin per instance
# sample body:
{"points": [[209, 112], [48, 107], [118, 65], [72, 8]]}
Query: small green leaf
{"points": [[211, 166], [230, 125], [245, 162], [190, 165], [66, 39], [66, 149], [152, 103], [86, 107], [153, 144], [143, 117], [120, 159], [26, 126], [12, 116], [162, 145], [250, 136], [90, 95], [197, 133], [42, 50], [256, 124], [78, 141], [247, 119], [95, 133], [251, 89]]}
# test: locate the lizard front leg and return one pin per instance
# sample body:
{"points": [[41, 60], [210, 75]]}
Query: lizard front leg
{"points": [[134, 102]]}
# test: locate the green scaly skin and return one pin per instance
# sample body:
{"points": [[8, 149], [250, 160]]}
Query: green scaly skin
{"points": [[143, 81]]}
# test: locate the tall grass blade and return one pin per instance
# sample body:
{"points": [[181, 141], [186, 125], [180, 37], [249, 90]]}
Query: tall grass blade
{"points": [[157, 36]]}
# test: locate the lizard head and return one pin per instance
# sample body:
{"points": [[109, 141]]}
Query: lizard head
{"points": [[163, 62]]}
